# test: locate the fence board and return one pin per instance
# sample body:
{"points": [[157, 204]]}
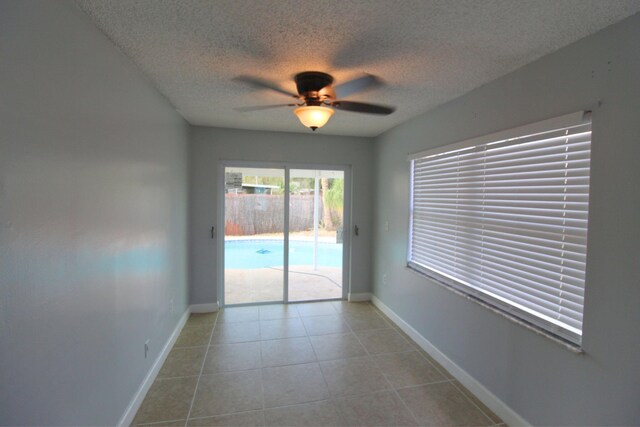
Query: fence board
{"points": [[249, 214]]}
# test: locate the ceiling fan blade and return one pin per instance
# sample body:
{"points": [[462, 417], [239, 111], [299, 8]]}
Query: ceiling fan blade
{"points": [[367, 81], [262, 107], [259, 83], [362, 107]]}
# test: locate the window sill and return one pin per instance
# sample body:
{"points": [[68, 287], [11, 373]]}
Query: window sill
{"points": [[574, 348]]}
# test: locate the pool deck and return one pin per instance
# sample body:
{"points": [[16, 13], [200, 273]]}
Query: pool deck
{"points": [[266, 284]]}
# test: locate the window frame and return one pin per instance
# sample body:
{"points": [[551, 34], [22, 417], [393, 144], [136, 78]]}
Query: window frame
{"points": [[511, 309]]}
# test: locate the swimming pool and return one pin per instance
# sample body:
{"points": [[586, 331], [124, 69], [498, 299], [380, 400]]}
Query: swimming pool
{"points": [[241, 254]]}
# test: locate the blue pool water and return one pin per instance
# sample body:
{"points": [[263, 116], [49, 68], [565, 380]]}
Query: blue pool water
{"points": [[269, 253]]}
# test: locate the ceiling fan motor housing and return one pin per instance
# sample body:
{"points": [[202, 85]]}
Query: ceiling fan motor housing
{"points": [[310, 83]]}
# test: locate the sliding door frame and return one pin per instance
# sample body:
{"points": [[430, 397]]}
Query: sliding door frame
{"points": [[286, 167], [346, 223]]}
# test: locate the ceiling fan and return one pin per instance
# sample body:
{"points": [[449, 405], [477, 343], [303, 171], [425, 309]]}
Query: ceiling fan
{"points": [[317, 97]]}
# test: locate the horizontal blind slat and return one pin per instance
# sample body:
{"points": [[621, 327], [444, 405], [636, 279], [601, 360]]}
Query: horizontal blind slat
{"points": [[524, 298], [508, 230], [578, 167], [538, 154], [524, 146], [575, 228], [538, 252], [548, 283], [528, 297], [537, 259], [490, 210]]}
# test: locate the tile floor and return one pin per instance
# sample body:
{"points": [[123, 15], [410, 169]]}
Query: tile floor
{"points": [[316, 364]]}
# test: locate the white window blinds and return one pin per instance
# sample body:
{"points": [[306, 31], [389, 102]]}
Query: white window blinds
{"points": [[504, 218]]}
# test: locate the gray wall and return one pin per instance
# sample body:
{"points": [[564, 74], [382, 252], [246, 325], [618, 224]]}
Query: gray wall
{"points": [[210, 145], [541, 380], [93, 213]]}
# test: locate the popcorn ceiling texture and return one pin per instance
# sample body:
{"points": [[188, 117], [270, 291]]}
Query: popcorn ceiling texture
{"points": [[429, 52]]}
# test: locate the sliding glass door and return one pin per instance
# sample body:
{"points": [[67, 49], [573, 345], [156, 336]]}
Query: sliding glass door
{"points": [[284, 234], [253, 235], [316, 229]]}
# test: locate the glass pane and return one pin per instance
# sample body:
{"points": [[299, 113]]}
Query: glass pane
{"points": [[315, 234], [253, 235]]}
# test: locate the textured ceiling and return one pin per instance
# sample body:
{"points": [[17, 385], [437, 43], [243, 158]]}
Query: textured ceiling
{"points": [[428, 52]]}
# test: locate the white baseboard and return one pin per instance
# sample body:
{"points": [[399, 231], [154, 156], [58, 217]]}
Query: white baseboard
{"points": [[204, 308], [364, 296], [133, 407], [500, 408]]}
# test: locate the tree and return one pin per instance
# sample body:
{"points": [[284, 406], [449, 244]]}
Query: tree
{"points": [[335, 200], [326, 210]]}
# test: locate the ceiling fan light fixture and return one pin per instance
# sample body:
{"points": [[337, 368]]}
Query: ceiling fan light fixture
{"points": [[314, 116]]}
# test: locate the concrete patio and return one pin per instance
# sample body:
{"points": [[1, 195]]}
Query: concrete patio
{"points": [[266, 284]]}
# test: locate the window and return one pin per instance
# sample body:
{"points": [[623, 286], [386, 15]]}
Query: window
{"points": [[504, 218]]}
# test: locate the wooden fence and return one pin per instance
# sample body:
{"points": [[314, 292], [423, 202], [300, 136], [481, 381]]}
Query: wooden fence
{"points": [[249, 214]]}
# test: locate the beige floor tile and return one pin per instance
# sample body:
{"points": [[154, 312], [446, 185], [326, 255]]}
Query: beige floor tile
{"points": [[193, 336], [345, 307], [183, 362], [378, 409], [407, 369], [438, 366], [228, 393], [340, 346], [353, 376], [288, 351], [232, 357], [384, 316], [321, 325], [238, 314], [383, 341], [240, 419], [316, 309], [202, 319], [442, 404], [235, 332], [167, 399], [488, 412], [289, 385], [281, 328], [407, 337], [319, 414], [365, 320], [277, 311]]}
